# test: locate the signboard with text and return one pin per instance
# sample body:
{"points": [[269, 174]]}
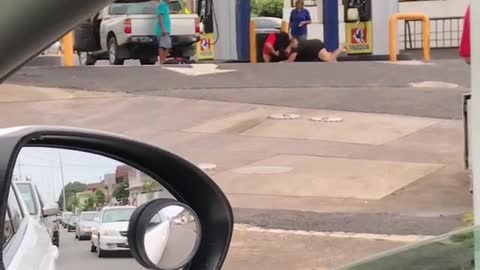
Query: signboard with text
{"points": [[359, 37], [205, 47]]}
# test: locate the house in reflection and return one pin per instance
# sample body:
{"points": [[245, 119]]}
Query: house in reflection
{"points": [[83, 198], [109, 183], [144, 188]]}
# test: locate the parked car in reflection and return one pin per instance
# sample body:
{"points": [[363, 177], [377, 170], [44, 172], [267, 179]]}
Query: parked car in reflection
{"points": [[72, 223], [37, 207], [65, 217], [86, 223], [110, 233]]}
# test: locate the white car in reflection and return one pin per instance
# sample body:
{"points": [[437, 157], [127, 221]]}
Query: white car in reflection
{"points": [[26, 243], [110, 231], [86, 222]]}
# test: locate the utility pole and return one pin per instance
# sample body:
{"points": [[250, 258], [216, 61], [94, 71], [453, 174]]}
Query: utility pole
{"points": [[64, 208], [52, 176]]}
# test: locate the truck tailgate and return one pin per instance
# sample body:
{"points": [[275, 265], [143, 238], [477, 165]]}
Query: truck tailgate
{"points": [[145, 25], [183, 24]]}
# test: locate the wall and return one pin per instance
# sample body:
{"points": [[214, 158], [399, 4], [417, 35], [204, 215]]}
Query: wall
{"points": [[439, 8], [142, 198]]}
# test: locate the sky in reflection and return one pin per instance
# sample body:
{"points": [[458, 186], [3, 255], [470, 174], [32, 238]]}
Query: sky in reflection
{"points": [[42, 166]]}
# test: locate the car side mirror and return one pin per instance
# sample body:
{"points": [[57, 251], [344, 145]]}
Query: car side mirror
{"points": [[50, 209], [189, 200], [165, 234], [97, 220]]}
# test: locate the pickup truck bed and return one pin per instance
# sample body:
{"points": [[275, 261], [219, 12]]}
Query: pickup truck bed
{"points": [[127, 30]]}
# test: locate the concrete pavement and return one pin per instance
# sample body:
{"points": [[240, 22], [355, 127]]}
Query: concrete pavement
{"points": [[401, 166]]}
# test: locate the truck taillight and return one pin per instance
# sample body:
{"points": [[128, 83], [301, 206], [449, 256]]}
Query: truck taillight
{"points": [[197, 25], [127, 26]]}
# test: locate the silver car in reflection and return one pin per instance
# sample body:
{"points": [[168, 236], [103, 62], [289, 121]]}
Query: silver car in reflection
{"points": [[85, 225]]}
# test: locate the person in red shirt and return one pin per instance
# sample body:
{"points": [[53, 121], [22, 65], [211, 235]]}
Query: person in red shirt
{"points": [[274, 46], [465, 44]]}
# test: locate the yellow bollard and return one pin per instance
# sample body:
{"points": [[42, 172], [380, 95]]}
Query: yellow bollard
{"points": [[426, 33], [253, 42], [285, 26], [68, 57]]}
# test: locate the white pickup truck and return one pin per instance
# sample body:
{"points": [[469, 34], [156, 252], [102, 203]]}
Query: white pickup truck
{"points": [[126, 29]]}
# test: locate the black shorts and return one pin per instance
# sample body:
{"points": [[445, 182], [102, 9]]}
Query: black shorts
{"points": [[308, 50]]}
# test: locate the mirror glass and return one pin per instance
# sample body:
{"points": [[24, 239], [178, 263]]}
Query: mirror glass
{"points": [[172, 237], [100, 194]]}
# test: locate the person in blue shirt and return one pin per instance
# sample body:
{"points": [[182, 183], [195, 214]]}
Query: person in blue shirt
{"points": [[164, 29], [299, 19]]}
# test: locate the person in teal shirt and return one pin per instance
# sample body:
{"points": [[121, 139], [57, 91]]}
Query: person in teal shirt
{"points": [[164, 28]]}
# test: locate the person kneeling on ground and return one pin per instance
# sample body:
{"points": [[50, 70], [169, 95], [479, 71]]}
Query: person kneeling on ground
{"points": [[312, 50], [274, 46]]}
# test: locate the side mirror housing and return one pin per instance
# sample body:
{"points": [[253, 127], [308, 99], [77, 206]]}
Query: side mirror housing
{"points": [[50, 210]]}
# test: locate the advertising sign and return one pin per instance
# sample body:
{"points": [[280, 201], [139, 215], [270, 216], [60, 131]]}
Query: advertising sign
{"points": [[205, 47], [359, 37]]}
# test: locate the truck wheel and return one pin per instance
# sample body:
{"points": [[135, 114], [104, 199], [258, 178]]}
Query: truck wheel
{"points": [[86, 59], [148, 61], [113, 52]]}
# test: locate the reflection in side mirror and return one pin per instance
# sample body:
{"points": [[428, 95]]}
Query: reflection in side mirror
{"points": [[79, 182], [50, 210], [167, 234]]}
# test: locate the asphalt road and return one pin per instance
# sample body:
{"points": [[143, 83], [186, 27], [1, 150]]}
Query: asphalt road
{"points": [[375, 223], [76, 255], [373, 87]]}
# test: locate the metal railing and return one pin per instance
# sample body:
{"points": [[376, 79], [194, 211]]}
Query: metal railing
{"points": [[445, 32]]}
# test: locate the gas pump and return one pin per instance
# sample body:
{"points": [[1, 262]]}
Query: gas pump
{"points": [[226, 22], [358, 26], [205, 46], [205, 13]]}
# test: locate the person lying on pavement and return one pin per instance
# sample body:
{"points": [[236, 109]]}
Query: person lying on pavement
{"points": [[312, 50]]}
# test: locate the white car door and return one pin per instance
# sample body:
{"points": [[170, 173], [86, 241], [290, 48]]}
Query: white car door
{"points": [[27, 244]]}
